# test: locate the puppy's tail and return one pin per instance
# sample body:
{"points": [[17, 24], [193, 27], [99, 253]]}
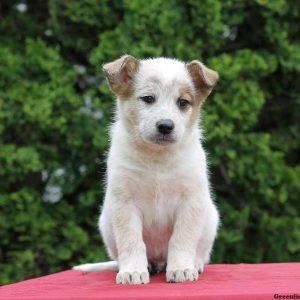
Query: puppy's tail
{"points": [[104, 266]]}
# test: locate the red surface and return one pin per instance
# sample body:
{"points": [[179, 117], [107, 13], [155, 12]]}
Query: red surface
{"points": [[243, 281]]}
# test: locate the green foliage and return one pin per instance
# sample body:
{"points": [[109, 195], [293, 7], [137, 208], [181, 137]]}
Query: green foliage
{"points": [[55, 109]]}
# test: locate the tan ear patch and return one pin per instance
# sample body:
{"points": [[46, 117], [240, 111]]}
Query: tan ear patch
{"points": [[120, 74], [204, 78]]}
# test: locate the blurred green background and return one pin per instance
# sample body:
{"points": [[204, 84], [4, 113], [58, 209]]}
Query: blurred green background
{"points": [[55, 109]]}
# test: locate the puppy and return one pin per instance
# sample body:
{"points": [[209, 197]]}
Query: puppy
{"points": [[158, 213]]}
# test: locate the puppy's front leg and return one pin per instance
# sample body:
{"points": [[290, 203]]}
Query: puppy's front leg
{"points": [[132, 258], [183, 243]]}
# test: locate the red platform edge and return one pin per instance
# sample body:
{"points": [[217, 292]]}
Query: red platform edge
{"points": [[219, 281]]}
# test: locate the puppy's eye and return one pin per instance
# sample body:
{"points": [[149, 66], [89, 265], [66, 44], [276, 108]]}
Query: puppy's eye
{"points": [[182, 103], [148, 99]]}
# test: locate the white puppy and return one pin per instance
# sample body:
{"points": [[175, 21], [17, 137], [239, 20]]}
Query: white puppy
{"points": [[158, 211]]}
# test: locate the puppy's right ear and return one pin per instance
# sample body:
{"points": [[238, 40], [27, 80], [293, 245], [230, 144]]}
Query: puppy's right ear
{"points": [[120, 74]]}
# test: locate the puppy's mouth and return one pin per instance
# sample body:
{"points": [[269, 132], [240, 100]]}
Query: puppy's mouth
{"points": [[157, 139], [163, 139]]}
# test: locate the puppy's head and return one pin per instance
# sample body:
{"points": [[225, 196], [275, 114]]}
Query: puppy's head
{"points": [[159, 99]]}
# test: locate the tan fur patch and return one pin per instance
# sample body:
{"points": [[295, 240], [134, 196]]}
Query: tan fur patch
{"points": [[187, 95], [191, 95], [195, 113]]}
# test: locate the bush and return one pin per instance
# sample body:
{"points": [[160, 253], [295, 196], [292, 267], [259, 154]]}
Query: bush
{"points": [[55, 108]]}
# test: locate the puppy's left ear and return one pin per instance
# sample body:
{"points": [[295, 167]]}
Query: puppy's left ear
{"points": [[120, 74], [204, 78]]}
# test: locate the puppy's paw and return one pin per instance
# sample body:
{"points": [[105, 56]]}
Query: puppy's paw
{"points": [[182, 275], [132, 277]]}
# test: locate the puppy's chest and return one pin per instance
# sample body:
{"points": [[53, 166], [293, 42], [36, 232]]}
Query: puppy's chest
{"points": [[158, 195]]}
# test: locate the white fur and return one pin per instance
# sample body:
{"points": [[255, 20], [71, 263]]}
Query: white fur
{"points": [[157, 206], [105, 266]]}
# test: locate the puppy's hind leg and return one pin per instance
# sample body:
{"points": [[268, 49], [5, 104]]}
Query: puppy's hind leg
{"points": [[105, 227], [207, 238]]}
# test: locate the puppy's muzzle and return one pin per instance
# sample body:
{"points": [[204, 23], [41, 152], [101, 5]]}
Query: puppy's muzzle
{"points": [[165, 132], [165, 126]]}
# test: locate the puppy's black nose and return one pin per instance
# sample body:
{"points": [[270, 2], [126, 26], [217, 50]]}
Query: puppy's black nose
{"points": [[165, 126]]}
